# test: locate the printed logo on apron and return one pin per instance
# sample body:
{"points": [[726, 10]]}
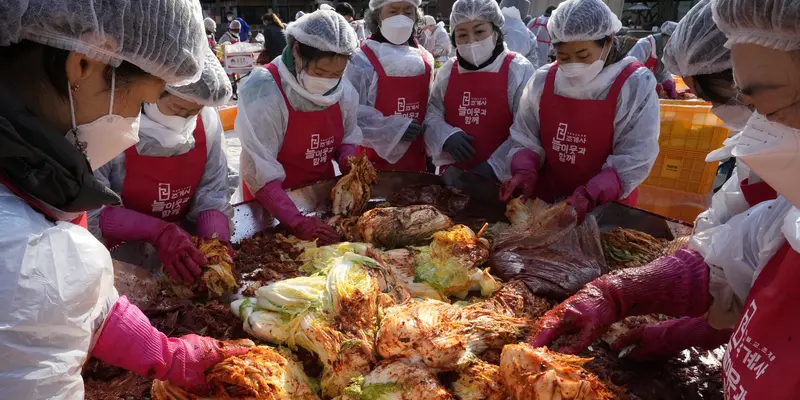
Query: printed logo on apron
{"points": [[472, 108], [568, 144], [755, 356], [408, 109], [320, 150], [170, 202]]}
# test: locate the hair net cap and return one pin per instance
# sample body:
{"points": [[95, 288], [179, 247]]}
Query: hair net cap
{"points": [[511, 12], [326, 7], [164, 38], [429, 20], [212, 89], [476, 10], [376, 4], [324, 30], [697, 47], [210, 24], [580, 20], [299, 14], [235, 24], [770, 23], [668, 28]]}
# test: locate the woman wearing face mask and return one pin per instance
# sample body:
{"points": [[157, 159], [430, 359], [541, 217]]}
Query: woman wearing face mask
{"points": [[232, 35], [177, 172], [392, 75], [436, 40], [602, 153], [89, 74], [746, 278], [476, 135], [211, 30], [296, 117]]}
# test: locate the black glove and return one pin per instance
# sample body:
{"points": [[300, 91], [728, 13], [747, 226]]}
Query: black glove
{"points": [[414, 130], [485, 170], [459, 145]]}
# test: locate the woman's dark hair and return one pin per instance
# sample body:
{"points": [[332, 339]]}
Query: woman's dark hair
{"points": [[615, 54], [272, 18], [716, 88], [372, 19], [549, 11], [345, 10], [310, 54], [47, 65]]}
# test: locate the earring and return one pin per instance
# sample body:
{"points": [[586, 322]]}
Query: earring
{"points": [[75, 87]]}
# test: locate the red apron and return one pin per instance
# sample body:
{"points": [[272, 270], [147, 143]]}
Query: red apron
{"points": [[311, 140], [82, 220], [652, 61], [761, 359], [757, 193], [406, 96], [578, 137], [477, 103], [163, 186], [541, 21]]}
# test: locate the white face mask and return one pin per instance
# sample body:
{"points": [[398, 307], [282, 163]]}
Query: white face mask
{"points": [[315, 84], [397, 29], [579, 74], [106, 137], [772, 151], [477, 53], [230, 18], [177, 128], [734, 116]]}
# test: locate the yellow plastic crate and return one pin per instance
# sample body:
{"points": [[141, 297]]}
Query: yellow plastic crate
{"points": [[228, 115], [689, 131]]}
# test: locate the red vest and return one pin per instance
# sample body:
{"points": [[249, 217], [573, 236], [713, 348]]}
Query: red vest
{"points": [[162, 187], [477, 103], [309, 144], [652, 60], [541, 21], [577, 136], [760, 361], [406, 96], [757, 193]]}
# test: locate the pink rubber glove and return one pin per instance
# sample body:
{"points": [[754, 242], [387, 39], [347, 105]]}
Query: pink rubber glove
{"points": [[524, 175], [129, 341], [668, 338], [675, 286], [345, 151], [275, 200], [669, 87], [605, 187], [214, 222], [181, 259]]}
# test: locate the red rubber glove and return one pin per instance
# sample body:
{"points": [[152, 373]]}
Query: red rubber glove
{"points": [[275, 200], [669, 88], [666, 339], [128, 340], [605, 187], [675, 286], [524, 175], [215, 224], [345, 151], [181, 259]]}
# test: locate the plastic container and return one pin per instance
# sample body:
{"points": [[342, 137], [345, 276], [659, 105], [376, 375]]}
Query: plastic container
{"points": [[681, 206], [227, 115]]}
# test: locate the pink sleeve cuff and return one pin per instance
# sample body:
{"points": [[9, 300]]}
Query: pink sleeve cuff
{"points": [[214, 222], [525, 160]]}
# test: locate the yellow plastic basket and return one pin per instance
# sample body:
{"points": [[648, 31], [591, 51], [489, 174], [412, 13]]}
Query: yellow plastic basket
{"points": [[228, 115]]}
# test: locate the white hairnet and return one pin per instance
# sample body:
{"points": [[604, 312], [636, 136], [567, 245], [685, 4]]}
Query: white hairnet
{"points": [[324, 30], [235, 24], [298, 15], [769, 23], [511, 12], [476, 10], [697, 47], [429, 20], [165, 38], [579, 20], [376, 4], [212, 89], [326, 7], [668, 28], [210, 24]]}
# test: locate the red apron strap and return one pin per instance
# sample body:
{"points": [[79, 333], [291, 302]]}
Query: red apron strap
{"points": [[373, 60], [82, 220], [549, 83], [616, 87], [273, 69], [507, 63]]}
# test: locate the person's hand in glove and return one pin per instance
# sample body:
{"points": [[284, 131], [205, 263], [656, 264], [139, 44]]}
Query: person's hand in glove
{"points": [[669, 88], [666, 339], [214, 224], [345, 151], [128, 340], [676, 286], [275, 200], [603, 188], [485, 170], [181, 259], [524, 175], [413, 131], [459, 145]]}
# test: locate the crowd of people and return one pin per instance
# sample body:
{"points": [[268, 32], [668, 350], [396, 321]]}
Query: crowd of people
{"points": [[112, 139]]}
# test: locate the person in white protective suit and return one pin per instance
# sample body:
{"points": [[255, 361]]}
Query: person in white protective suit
{"points": [[392, 75], [297, 116], [649, 51], [89, 66], [539, 28], [745, 275], [491, 78], [176, 173], [519, 38], [436, 40], [602, 153]]}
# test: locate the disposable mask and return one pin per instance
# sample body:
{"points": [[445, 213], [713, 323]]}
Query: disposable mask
{"points": [[106, 137], [477, 53], [177, 128], [234, 35], [397, 29], [579, 74], [734, 116], [315, 84], [230, 18], [772, 151]]}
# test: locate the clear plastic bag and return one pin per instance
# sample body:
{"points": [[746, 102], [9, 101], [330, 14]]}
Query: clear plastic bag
{"points": [[549, 252]]}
